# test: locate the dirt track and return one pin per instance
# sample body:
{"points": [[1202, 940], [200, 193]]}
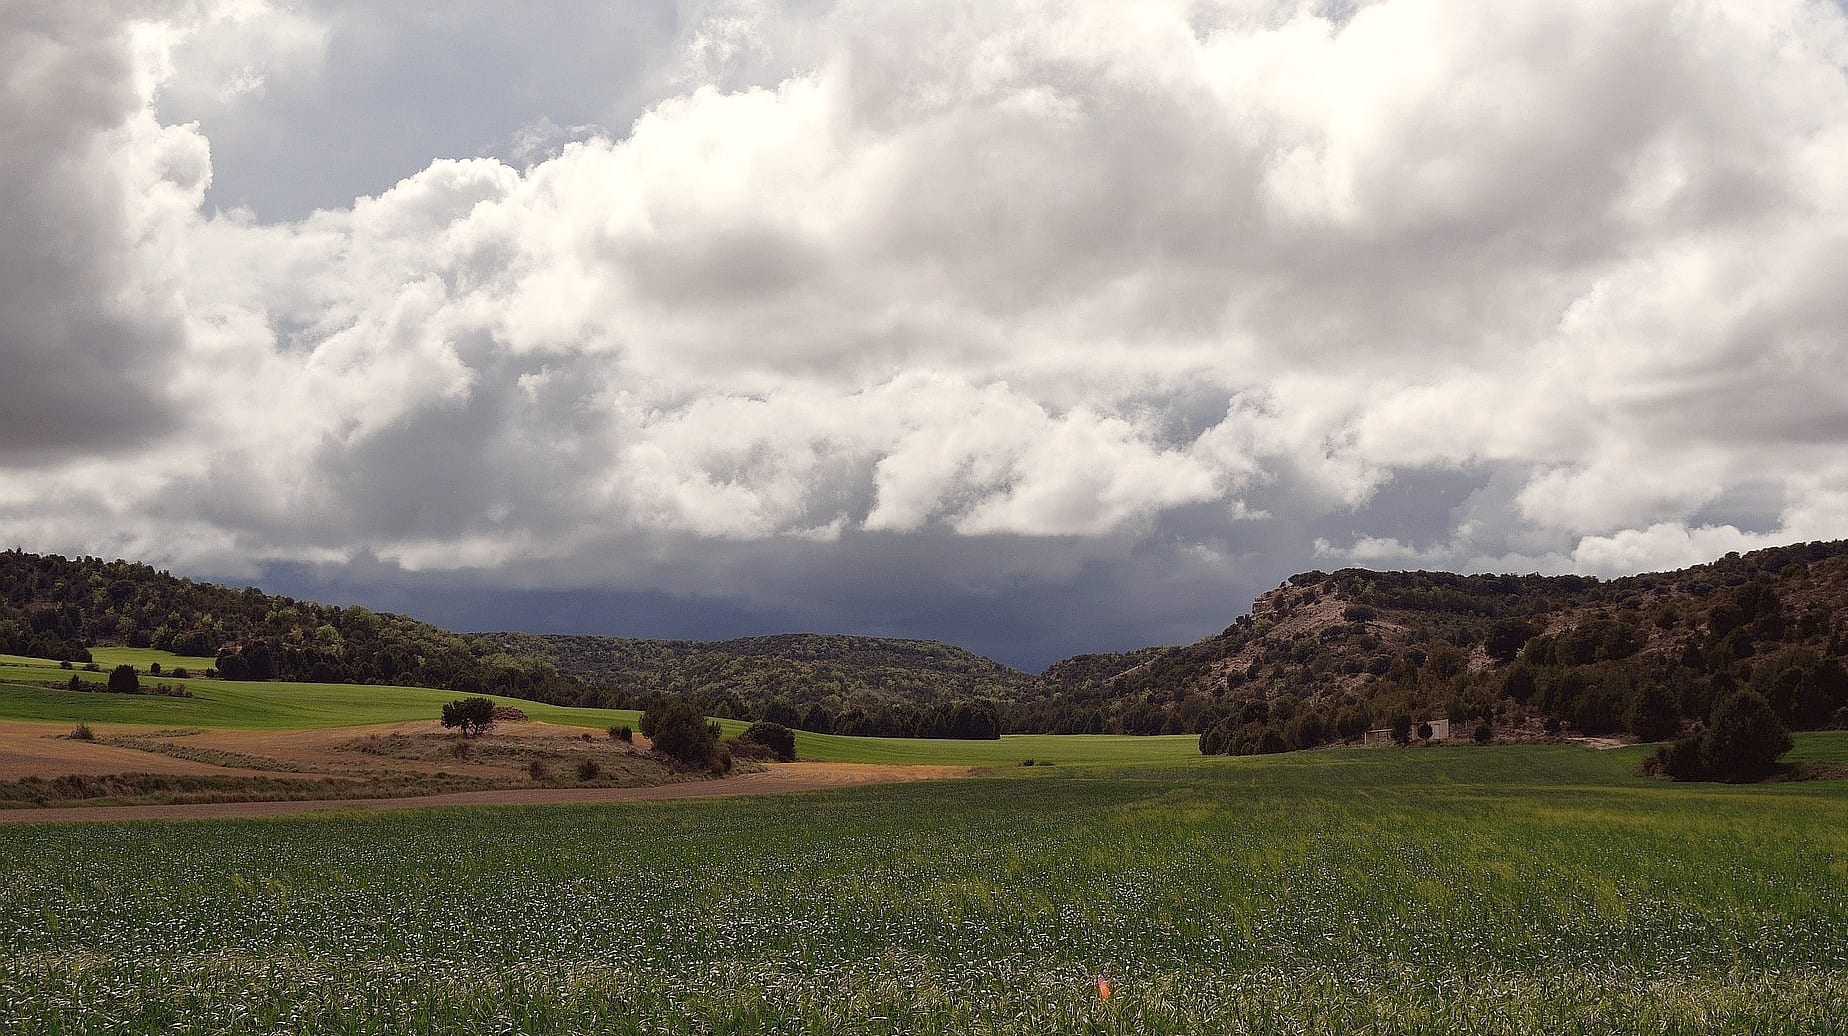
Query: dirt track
{"points": [[779, 778]]}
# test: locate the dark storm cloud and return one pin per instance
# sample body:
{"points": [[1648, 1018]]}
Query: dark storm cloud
{"points": [[87, 336]]}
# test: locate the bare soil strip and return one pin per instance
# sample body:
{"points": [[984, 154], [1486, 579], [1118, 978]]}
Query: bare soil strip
{"points": [[779, 778]]}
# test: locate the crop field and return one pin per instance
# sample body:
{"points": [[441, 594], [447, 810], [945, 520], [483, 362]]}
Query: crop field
{"points": [[1519, 889]]}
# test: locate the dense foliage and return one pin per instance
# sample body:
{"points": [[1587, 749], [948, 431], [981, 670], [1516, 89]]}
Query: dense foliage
{"points": [[1741, 743], [868, 686]]}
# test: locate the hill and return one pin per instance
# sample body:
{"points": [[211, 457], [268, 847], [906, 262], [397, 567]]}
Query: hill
{"points": [[1322, 658], [60, 608], [870, 686], [1325, 656]]}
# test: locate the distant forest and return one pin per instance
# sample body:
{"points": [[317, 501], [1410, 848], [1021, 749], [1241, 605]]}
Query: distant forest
{"points": [[1319, 660]]}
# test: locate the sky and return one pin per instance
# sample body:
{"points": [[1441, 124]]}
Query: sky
{"points": [[1039, 328]]}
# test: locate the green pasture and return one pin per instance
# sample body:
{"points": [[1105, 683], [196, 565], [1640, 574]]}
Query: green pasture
{"points": [[109, 657], [1010, 750], [257, 706], [1468, 890], [277, 705]]}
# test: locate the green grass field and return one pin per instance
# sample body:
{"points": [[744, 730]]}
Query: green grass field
{"points": [[1498, 890], [278, 705]]}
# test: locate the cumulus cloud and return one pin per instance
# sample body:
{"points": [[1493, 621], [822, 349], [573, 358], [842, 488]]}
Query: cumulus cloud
{"points": [[1013, 273]]}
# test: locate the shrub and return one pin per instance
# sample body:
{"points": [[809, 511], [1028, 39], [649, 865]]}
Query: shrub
{"points": [[154, 669], [1258, 739], [1744, 738], [779, 739], [622, 733], [588, 770], [538, 770], [1484, 733], [1655, 715], [679, 732], [1507, 637], [181, 673], [1742, 743], [1681, 760], [82, 732], [66, 664], [122, 680], [1425, 731], [473, 715]]}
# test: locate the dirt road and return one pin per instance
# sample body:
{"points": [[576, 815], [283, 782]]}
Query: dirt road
{"points": [[779, 778]]}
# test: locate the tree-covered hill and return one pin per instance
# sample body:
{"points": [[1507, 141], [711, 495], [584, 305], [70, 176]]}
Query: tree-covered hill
{"points": [[1320, 659], [822, 682], [56, 607], [1326, 656]]}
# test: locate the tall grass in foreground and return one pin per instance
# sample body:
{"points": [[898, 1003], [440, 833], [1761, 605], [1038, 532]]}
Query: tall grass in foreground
{"points": [[1493, 891]]}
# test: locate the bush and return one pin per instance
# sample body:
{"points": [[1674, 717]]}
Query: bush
{"points": [[1744, 738], [181, 673], [779, 739], [1655, 715], [1484, 733], [1258, 739], [122, 680], [473, 715], [1682, 760], [680, 732], [538, 770], [82, 732], [1742, 743], [622, 733], [588, 770]]}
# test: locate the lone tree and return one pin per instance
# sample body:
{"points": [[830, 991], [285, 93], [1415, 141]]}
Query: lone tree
{"points": [[473, 715], [122, 680]]}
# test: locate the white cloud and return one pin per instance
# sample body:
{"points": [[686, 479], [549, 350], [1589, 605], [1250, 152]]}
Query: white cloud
{"points": [[920, 269]]}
